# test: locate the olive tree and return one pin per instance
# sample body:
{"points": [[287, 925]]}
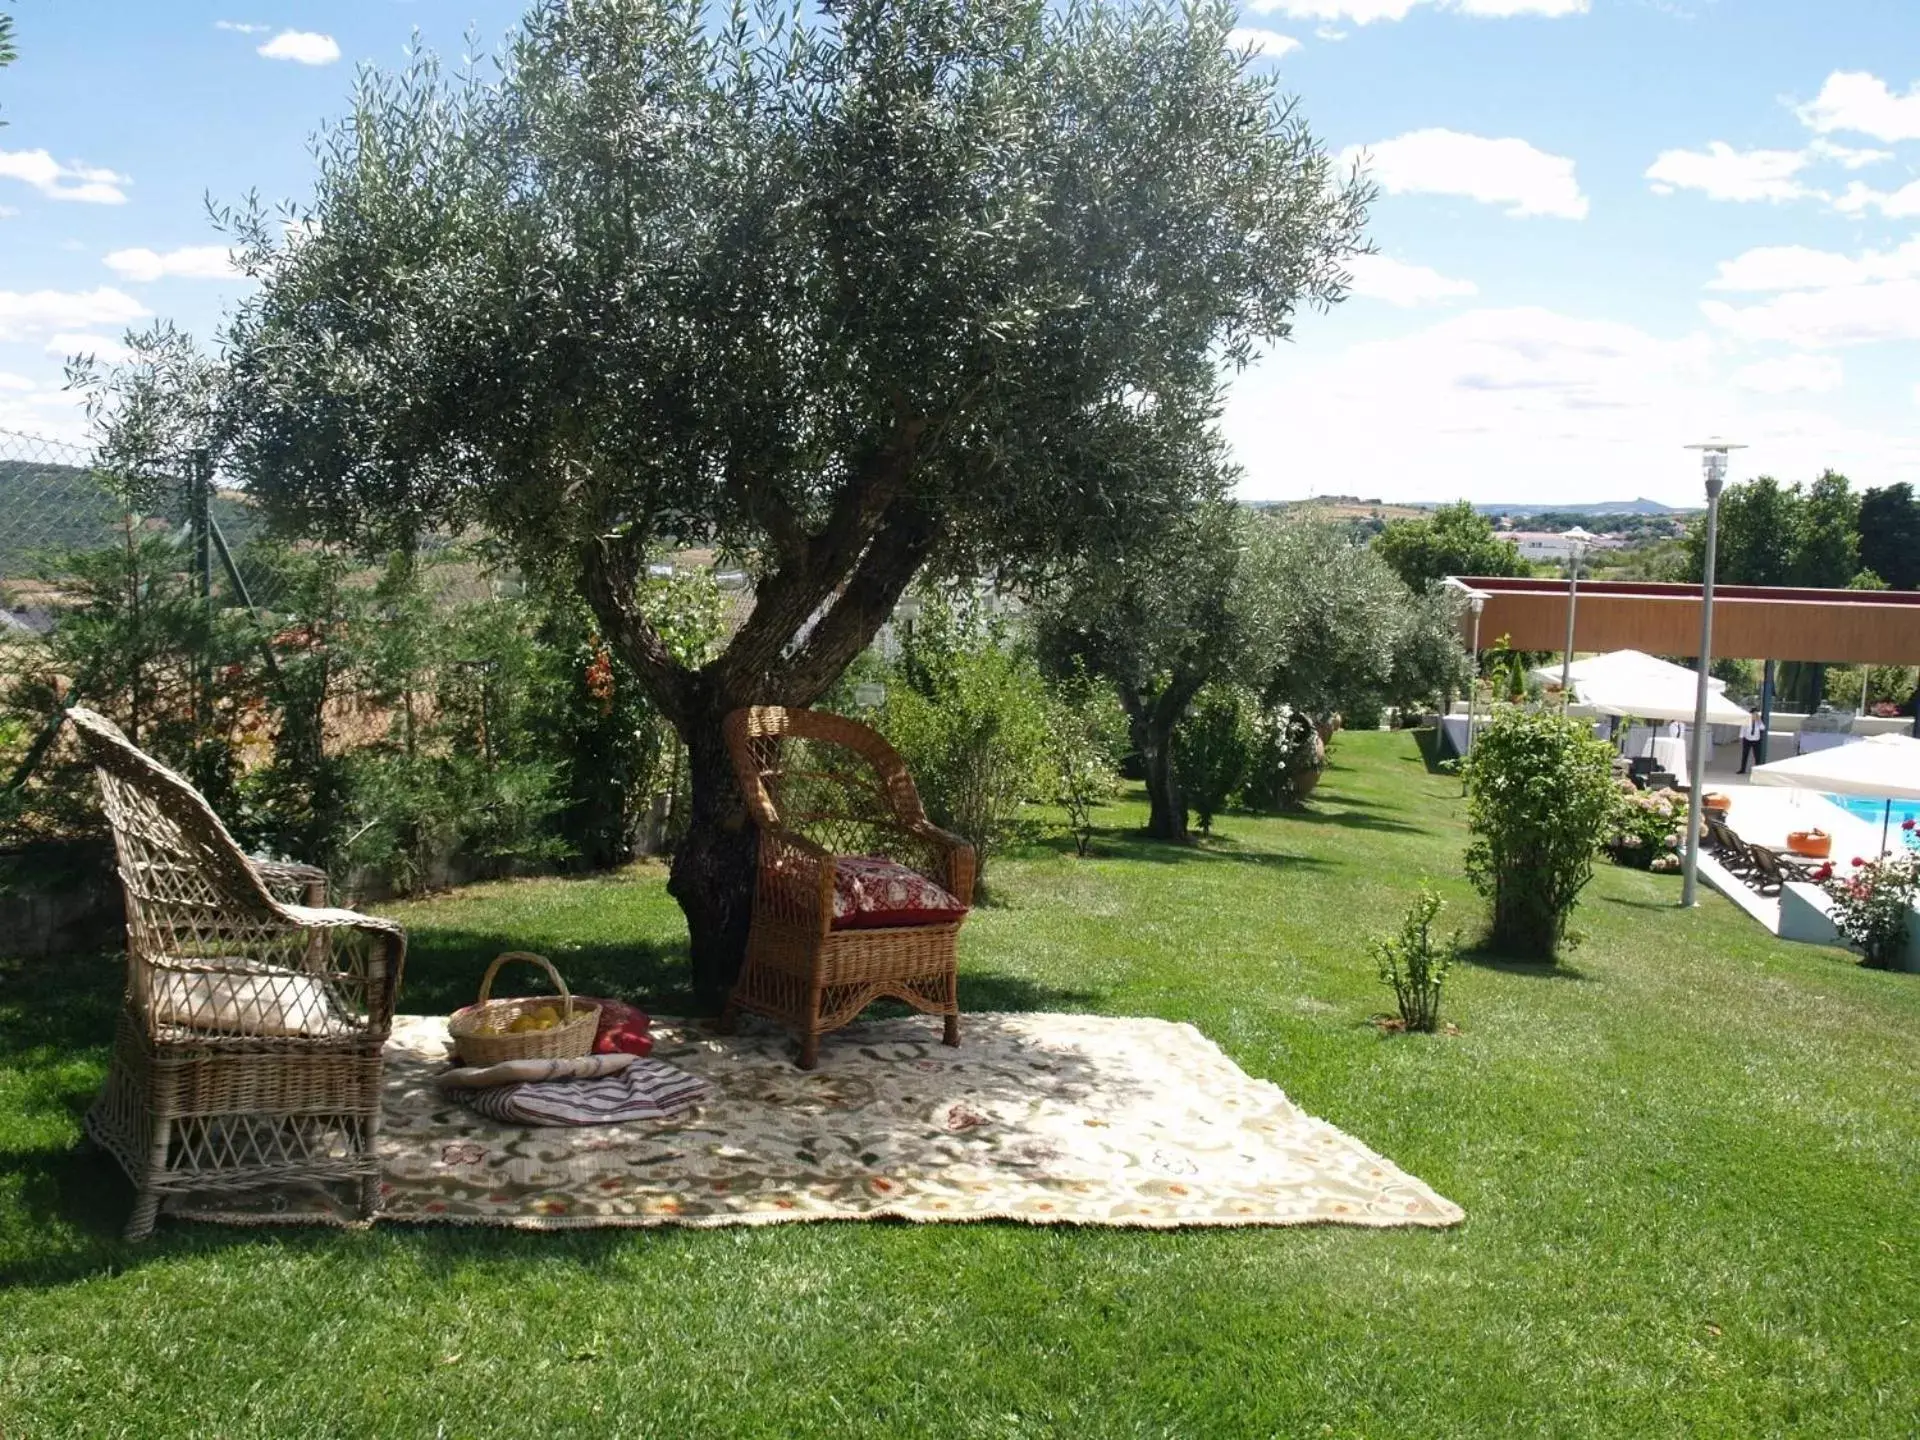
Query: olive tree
{"points": [[1324, 617], [1157, 622], [843, 292]]}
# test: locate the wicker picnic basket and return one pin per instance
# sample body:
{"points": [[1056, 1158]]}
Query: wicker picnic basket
{"points": [[571, 1038]]}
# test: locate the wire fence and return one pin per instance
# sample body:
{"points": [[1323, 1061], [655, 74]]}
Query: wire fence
{"points": [[54, 502]]}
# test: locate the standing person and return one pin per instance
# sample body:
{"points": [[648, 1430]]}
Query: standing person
{"points": [[1751, 734]]}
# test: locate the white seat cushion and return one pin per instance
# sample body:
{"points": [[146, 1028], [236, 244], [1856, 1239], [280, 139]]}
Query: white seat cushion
{"points": [[268, 1002]]}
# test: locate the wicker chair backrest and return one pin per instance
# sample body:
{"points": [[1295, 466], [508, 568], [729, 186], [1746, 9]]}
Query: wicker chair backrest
{"points": [[189, 888], [829, 779]]}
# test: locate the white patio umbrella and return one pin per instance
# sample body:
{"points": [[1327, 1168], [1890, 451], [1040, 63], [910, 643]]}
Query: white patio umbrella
{"points": [[1631, 682], [1881, 767]]}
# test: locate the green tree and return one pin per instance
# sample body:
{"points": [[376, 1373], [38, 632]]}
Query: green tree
{"points": [[844, 294], [8, 52], [1324, 619], [1157, 623], [1455, 540], [1759, 532], [1890, 535], [1826, 540]]}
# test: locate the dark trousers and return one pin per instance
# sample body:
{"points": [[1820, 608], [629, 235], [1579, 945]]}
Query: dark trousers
{"points": [[1749, 753]]}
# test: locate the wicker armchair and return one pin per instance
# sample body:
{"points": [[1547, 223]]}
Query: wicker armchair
{"points": [[820, 786], [248, 1049]]}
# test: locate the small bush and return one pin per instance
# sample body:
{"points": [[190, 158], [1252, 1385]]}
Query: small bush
{"points": [[1644, 831], [1414, 964], [1087, 733], [1540, 798], [1214, 749], [1873, 905], [969, 716]]}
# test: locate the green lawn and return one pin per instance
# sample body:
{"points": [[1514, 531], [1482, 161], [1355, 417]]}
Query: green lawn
{"points": [[1690, 1161]]}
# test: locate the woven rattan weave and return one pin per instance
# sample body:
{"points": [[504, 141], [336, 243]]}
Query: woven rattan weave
{"points": [[819, 785], [479, 1030], [249, 1044]]}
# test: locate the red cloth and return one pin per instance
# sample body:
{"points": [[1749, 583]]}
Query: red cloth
{"points": [[870, 892], [623, 1028]]}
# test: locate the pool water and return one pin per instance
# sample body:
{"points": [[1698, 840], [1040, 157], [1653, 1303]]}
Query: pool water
{"points": [[1874, 811]]}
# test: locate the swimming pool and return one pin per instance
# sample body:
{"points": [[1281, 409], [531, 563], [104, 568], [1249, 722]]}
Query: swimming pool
{"points": [[1874, 811]]}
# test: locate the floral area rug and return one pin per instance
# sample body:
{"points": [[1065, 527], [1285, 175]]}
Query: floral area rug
{"points": [[1081, 1119]]}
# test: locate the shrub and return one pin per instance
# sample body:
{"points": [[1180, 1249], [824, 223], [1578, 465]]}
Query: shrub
{"points": [[1087, 733], [1540, 798], [1213, 749], [1873, 905], [1644, 830], [1414, 964], [968, 713]]}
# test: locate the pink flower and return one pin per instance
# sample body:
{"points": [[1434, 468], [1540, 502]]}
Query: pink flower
{"points": [[1906, 824], [1858, 861]]}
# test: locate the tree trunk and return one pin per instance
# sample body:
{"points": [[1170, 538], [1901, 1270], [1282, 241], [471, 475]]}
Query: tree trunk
{"points": [[713, 866], [1167, 807]]}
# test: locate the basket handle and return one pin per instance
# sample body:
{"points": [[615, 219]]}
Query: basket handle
{"points": [[486, 981]]}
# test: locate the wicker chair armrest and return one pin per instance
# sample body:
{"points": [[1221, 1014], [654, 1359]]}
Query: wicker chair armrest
{"points": [[290, 883], [795, 883], [956, 855], [389, 941]]}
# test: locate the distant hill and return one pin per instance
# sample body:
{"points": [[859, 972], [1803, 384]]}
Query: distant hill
{"points": [[1603, 507], [47, 508]]}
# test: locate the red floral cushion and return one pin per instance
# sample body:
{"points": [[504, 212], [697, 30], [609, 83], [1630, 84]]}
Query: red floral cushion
{"points": [[623, 1028], [870, 892]]}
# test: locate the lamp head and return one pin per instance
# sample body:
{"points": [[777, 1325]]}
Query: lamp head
{"points": [[1713, 461]]}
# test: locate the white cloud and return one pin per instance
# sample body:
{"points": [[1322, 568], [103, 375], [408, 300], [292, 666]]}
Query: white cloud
{"points": [[304, 47], [1499, 172], [1901, 204], [1379, 277], [28, 315], [1266, 44], [1724, 173], [1791, 374], [1799, 267], [42, 407], [1847, 157], [7, 212], [1825, 319], [1506, 9], [189, 262], [1365, 12], [240, 27], [1857, 101], [1523, 404], [102, 347], [87, 183]]}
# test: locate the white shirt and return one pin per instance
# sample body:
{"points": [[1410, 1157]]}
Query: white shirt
{"points": [[1753, 730]]}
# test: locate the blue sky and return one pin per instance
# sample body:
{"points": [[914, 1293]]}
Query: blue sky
{"points": [[1607, 227]]}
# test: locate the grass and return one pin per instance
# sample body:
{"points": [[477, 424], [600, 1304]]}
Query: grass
{"points": [[1689, 1159]]}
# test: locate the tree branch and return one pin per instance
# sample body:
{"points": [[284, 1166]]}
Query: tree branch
{"points": [[891, 561], [610, 577]]}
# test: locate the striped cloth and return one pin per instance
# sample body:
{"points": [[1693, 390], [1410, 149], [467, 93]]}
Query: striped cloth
{"points": [[645, 1090]]}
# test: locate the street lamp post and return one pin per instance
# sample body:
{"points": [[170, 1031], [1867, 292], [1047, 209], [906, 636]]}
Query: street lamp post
{"points": [[1713, 464], [1577, 540], [1479, 603]]}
